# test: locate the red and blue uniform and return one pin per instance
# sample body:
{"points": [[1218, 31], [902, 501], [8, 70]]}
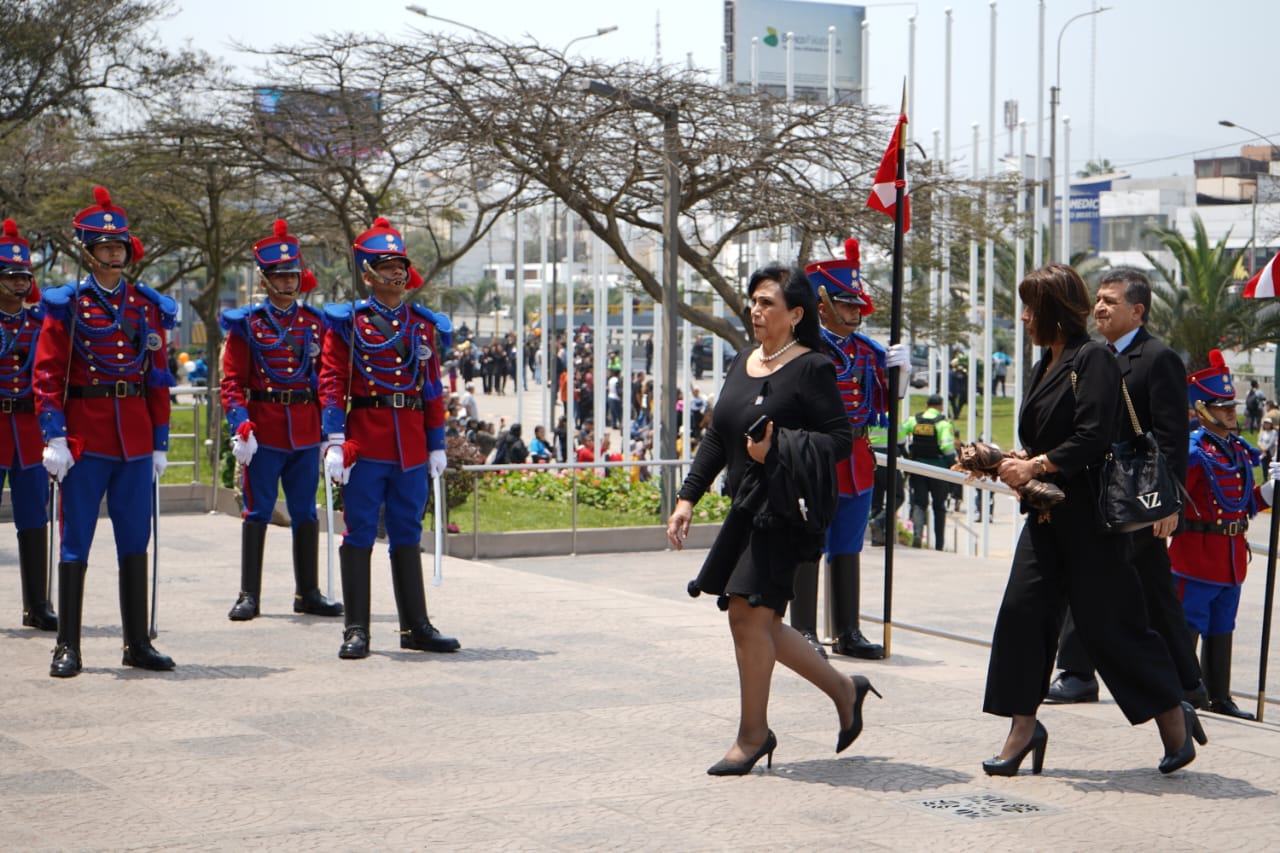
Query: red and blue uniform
{"points": [[21, 444], [384, 364], [1210, 556], [102, 381], [270, 370]]}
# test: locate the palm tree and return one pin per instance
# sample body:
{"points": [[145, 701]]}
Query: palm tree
{"points": [[1196, 308]]}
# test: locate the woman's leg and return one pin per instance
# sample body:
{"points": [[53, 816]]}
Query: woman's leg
{"points": [[794, 652], [753, 645]]}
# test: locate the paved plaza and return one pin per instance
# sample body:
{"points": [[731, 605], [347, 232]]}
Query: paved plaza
{"points": [[590, 696]]}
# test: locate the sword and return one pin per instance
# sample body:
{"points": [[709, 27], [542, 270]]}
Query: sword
{"points": [[54, 544], [155, 552], [438, 577], [328, 501]]}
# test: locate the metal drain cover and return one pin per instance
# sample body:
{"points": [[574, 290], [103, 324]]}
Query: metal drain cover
{"points": [[982, 806]]}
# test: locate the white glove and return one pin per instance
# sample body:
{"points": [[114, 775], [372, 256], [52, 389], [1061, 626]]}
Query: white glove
{"points": [[57, 458], [1268, 488], [898, 355], [437, 461], [243, 450], [333, 467], [159, 461]]}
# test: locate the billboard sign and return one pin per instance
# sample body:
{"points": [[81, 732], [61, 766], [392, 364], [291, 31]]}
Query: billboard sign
{"points": [[769, 21]]}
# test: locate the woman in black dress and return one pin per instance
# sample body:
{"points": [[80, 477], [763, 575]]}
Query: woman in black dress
{"points": [[1069, 418], [789, 380]]}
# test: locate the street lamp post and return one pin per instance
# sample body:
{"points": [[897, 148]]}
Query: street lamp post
{"points": [[670, 268], [1253, 234], [1054, 91]]}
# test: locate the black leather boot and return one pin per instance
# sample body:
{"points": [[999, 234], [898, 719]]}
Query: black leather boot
{"points": [[845, 579], [138, 650], [804, 607], [1215, 662], [416, 630], [355, 589], [33, 566], [66, 654], [306, 573], [253, 540]]}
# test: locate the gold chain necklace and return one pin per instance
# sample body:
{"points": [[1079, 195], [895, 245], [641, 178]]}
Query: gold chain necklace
{"points": [[768, 358]]}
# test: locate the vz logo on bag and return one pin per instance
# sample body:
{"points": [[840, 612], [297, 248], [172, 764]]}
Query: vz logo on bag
{"points": [[1150, 500]]}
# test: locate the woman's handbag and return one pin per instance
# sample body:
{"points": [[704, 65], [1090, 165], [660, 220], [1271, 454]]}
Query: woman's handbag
{"points": [[1135, 488]]}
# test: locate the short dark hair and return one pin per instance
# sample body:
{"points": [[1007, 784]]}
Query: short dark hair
{"points": [[1137, 287], [796, 293], [1059, 302], [934, 400]]}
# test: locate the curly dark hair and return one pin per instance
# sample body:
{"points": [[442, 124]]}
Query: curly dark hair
{"points": [[1059, 303]]}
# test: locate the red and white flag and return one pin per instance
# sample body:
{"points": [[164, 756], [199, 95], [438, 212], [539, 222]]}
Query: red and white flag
{"points": [[884, 191], [1266, 284]]}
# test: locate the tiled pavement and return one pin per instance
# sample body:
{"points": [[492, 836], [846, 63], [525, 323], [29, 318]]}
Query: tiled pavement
{"points": [[590, 696]]}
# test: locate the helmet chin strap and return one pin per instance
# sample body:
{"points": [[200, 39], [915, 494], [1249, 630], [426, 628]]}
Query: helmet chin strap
{"points": [[1203, 411], [389, 282], [92, 260], [274, 291], [26, 291]]}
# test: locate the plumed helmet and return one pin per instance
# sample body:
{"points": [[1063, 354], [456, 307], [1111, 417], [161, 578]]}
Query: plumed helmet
{"points": [[103, 222], [381, 243], [281, 253], [15, 256], [841, 278], [1213, 385]]}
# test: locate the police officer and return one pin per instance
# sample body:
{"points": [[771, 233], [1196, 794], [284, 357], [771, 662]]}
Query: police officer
{"points": [[861, 367], [1210, 554], [269, 392], [102, 397], [380, 358], [20, 442], [933, 443]]}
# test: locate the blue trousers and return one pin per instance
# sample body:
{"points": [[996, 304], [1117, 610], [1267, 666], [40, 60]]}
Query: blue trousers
{"points": [[375, 484], [128, 488], [29, 494], [848, 528], [298, 470]]}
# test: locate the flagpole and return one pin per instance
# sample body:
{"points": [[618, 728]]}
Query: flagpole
{"points": [[895, 336]]}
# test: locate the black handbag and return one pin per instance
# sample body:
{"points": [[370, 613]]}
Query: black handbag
{"points": [[1135, 488]]}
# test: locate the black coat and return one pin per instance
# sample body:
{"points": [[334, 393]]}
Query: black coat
{"points": [[1157, 382]]}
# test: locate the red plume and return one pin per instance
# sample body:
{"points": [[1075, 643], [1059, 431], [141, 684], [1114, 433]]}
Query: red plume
{"points": [[280, 228], [101, 196], [307, 281], [851, 250], [381, 222], [136, 253], [10, 228], [33, 295], [415, 279], [1216, 359]]}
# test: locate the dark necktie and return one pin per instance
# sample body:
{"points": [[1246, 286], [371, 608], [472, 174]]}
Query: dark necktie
{"points": [[1113, 349]]}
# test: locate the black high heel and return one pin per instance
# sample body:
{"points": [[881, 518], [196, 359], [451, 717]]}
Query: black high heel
{"points": [[1009, 766], [1187, 752], [861, 686], [725, 767]]}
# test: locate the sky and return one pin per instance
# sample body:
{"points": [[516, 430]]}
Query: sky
{"points": [[1145, 89]]}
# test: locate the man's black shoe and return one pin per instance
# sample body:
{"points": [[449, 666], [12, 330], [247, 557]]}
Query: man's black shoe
{"points": [[1069, 689], [1228, 708], [854, 645], [1197, 697], [812, 639]]}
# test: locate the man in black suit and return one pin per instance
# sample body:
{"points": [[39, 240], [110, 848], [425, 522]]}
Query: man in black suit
{"points": [[1156, 379]]}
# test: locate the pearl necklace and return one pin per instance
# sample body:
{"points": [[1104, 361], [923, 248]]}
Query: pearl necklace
{"points": [[768, 358]]}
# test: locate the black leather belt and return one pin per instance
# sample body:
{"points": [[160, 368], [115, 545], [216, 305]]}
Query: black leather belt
{"points": [[24, 405], [285, 397], [398, 400], [115, 389], [1231, 528]]}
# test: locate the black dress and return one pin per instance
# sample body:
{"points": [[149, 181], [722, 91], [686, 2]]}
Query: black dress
{"points": [[759, 564]]}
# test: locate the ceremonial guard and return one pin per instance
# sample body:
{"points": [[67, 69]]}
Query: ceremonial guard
{"points": [[861, 370], [102, 397], [1210, 554], [269, 392], [380, 360], [20, 441]]}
